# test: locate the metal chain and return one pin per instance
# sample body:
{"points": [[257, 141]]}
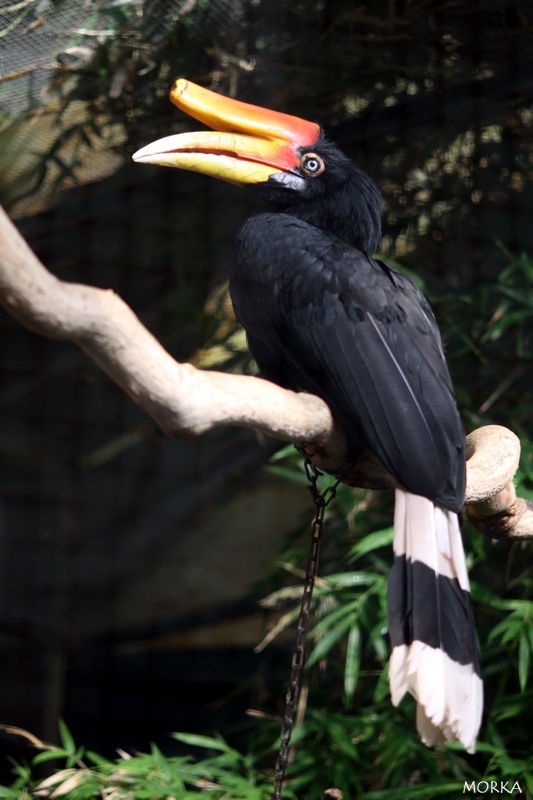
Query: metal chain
{"points": [[321, 501]]}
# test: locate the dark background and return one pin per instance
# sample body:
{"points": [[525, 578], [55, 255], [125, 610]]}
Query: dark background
{"points": [[131, 565]]}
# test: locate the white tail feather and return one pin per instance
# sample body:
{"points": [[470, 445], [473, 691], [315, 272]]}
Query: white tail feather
{"points": [[430, 534], [449, 694]]}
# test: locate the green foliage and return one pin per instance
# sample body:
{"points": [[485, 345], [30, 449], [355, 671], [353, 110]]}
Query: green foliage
{"points": [[488, 330], [349, 723], [222, 772], [350, 736]]}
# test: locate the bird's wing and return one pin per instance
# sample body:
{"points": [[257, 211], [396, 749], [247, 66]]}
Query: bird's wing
{"points": [[324, 318]]}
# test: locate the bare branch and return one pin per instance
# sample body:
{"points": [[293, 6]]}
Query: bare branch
{"points": [[493, 454], [185, 400], [181, 398]]}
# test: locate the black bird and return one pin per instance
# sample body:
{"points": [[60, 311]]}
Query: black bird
{"points": [[324, 316]]}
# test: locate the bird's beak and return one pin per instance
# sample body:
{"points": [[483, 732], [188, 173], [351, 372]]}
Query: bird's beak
{"points": [[247, 144]]}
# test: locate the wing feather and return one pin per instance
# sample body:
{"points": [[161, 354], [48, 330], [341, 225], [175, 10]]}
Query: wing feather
{"points": [[324, 318]]}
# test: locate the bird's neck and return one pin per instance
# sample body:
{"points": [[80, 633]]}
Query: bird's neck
{"points": [[352, 212], [360, 228]]}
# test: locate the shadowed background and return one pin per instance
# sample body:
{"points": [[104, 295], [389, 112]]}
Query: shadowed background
{"points": [[131, 565]]}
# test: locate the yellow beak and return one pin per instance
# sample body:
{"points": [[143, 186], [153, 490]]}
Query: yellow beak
{"points": [[247, 143]]}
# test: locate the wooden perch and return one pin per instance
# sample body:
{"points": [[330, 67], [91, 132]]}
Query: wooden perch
{"points": [[184, 400]]}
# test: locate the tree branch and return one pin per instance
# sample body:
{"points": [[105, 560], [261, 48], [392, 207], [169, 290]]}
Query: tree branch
{"points": [[181, 398], [185, 400]]}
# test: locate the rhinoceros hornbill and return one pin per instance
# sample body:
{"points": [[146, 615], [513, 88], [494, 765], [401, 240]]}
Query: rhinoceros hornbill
{"points": [[325, 317]]}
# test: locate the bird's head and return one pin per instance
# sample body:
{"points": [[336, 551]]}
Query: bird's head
{"points": [[285, 159]]}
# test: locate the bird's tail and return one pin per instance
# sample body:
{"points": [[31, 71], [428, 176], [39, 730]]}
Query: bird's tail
{"points": [[435, 655]]}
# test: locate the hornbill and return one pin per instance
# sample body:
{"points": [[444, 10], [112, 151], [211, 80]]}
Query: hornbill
{"points": [[324, 316]]}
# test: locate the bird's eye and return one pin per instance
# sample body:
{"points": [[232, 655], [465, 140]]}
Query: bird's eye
{"points": [[312, 164]]}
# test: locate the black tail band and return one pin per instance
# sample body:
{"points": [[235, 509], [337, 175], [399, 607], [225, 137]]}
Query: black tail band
{"points": [[432, 609]]}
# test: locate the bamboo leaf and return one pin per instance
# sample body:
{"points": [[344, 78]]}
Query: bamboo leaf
{"points": [[348, 579], [56, 778], [207, 742], [352, 662], [72, 782], [524, 655], [340, 612], [331, 638], [66, 738], [50, 755], [374, 541]]}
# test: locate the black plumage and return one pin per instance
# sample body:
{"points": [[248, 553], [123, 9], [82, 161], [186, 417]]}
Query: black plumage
{"points": [[325, 317]]}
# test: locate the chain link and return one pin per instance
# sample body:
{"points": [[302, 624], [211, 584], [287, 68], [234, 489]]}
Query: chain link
{"points": [[321, 500]]}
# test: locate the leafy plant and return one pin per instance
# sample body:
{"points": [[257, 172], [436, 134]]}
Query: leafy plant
{"points": [[222, 772], [350, 735]]}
